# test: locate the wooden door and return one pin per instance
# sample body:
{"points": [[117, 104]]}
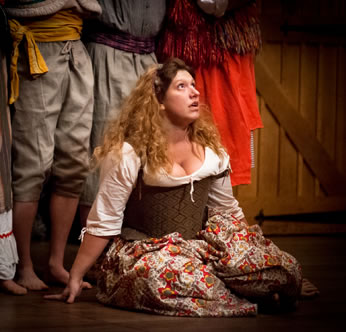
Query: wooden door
{"points": [[301, 86]]}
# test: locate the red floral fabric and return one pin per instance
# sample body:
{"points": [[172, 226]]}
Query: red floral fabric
{"points": [[226, 271]]}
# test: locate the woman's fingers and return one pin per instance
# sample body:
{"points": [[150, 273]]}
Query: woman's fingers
{"points": [[59, 297], [86, 285], [71, 298], [68, 298], [308, 289], [67, 295], [70, 292]]}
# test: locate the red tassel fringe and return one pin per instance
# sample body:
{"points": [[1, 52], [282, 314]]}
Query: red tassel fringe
{"points": [[201, 39]]}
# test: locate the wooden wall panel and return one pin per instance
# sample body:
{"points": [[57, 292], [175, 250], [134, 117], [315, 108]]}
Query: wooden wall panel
{"points": [[268, 141], [304, 139], [301, 85], [326, 102], [288, 175], [329, 8], [341, 111], [272, 53], [272, 7], [268, 164], [309, 8], [326, 105], [307, 108]]}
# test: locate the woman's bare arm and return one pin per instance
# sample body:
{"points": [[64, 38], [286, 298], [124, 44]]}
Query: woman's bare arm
{"points": [[90, 249]]}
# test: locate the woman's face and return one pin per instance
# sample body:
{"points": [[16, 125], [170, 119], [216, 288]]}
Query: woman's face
{"points": [[181, 101]]}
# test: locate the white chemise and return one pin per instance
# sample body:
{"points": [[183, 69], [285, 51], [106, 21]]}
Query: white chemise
{"points": [[118, 179]]}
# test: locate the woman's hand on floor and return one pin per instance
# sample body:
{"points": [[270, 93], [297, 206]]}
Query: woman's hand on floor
{"points": [[308, 289], [72, 290]]}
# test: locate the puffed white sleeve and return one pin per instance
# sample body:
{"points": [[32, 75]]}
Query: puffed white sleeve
{"points": [[213, 7], [117, 180], [221, 196]]}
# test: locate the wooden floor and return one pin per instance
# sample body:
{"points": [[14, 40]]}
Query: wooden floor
{"points": [[323, 259]]}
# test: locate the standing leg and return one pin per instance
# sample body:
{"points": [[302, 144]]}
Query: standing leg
{"points": [[71, 143], [8, 253], [23, 218], [32, 156], [83, 213], [62, 213], [11, 287]]}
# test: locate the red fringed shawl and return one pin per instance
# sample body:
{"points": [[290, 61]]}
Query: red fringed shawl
{"points": [[198, 38]]}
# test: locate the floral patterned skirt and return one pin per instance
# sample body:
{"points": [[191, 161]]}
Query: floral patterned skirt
{"points": [[227, 271]]}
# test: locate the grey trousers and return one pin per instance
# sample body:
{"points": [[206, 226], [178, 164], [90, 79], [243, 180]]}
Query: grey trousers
{"points": [[52, 122], [116, 73]]}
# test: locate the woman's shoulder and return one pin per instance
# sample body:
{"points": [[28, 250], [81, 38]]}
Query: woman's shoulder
{"points": [[216, 163], [127, 148], [126, 152], [126, 160]]}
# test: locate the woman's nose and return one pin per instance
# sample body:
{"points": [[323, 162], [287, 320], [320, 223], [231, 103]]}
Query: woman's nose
{"points": [[194, 91]]}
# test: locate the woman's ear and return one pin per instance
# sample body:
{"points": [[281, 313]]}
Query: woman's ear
{"points": [[162, 107]]}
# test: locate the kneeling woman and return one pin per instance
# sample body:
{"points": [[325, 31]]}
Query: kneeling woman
{"points": [[180, 242]]}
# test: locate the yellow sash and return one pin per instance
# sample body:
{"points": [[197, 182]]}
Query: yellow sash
{"points": [[64, 25]]}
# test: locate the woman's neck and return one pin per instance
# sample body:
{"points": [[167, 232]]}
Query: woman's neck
{"points": [[176, 134]]}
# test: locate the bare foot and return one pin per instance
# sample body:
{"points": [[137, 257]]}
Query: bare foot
{"points": [[61, 276], [27, 278], [57, 275], [308, 289], [11, 287]]}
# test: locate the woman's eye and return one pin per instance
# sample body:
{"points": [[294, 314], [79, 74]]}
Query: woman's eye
{"points": [[181, 86], [193, 84]]}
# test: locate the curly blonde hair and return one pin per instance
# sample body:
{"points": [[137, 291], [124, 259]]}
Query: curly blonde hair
{"points": [[140, 121]]}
